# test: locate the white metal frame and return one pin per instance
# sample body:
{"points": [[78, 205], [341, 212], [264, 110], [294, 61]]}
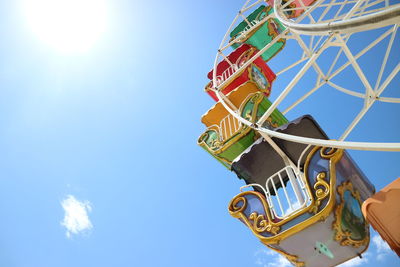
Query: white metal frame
{"points": [[337, 28]]}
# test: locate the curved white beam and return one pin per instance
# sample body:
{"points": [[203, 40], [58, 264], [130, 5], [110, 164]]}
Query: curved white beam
{"points": [[388, 16], [369, 146]]}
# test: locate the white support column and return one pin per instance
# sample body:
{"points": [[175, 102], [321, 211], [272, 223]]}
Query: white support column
{"points": [[369, 92], [383, 66], [295, 185], [294, 81]]}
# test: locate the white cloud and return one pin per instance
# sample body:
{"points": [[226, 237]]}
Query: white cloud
{"points": [[356, 261], [270, 258], [76, 219], [382, 248]]}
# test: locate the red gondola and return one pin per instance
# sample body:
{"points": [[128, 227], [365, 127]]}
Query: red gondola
{"points": [[258, 72]]}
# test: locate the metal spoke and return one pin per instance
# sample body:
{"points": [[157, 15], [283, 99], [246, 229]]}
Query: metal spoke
{"points": [[328, 24], [389, 48]]}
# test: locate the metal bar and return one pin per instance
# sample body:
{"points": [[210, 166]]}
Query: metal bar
{"points": [[389, 99], [340, 9], [388, 16], [304, 97], [356, 120], [388, 80], [244, 18], [316, 45], [389, 48], [295, 185], [250, 6], [278, 150], [305, 48], [272, 207], [368, 146], [353, 9], [362, 52], [293, 82], [291, 66], [368, 88], [277, 195], [284, 190], [253, 185], [344, 90], [226, 59], [336, 58]]}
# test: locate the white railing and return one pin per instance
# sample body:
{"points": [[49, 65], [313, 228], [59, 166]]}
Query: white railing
{"points": [[250, 26], [226, 74], [285, 199], [229, 126]]}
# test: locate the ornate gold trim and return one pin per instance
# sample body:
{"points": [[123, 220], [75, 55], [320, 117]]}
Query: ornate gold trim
{"points": [[344, 237], [333, 156], [258, 223], [322, 190], [261, 224]]}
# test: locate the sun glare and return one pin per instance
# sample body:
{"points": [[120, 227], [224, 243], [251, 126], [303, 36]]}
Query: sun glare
{"points": [[67, 25]]}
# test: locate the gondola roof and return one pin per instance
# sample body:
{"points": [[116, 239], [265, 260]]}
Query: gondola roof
{"points": [[260, 161]]}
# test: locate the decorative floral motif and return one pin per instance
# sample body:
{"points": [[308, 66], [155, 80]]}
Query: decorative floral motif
{"points": [[349, 224], [258, 223]]}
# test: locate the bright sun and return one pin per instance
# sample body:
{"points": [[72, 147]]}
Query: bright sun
{"points": [[67, 25]]}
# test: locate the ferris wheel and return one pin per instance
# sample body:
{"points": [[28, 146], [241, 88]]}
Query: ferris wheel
{"points": [[305, 197], [315, 28]]}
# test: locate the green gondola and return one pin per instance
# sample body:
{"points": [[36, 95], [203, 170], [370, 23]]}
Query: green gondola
{"points": [[261, 35]]}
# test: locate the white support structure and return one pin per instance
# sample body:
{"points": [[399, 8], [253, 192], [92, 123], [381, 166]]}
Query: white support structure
{"points": [[379, 19], [339, 20]]}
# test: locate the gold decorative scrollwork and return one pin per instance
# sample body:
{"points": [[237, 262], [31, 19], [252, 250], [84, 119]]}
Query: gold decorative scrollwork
{"points": [[258, 223], [294, 260], [257, 98], [234, 209], [261, 224], [273, 124], [331, 153], [322, 190], [216, 144], [343, 236]]}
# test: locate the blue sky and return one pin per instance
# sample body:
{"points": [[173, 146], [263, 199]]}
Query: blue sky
{"points": [[109, 134]]}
